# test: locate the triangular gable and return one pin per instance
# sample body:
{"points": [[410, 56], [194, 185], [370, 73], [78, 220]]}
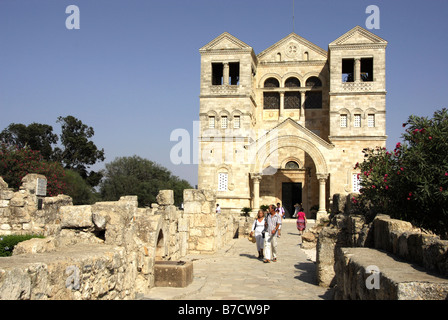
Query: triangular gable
{"points": [[292, 48], [358, 35], [225, 41], [291, 127]]}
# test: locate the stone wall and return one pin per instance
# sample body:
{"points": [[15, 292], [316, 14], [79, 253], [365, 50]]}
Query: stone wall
{"points": [[110, 247], [19, 212], [396, 237]]}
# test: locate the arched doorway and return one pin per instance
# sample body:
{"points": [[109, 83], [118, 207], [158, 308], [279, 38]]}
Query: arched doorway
{"points": [[160, 247], [310, 177]]}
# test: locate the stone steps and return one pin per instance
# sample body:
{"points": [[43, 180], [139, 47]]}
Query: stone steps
{"points": [[395, 279]]}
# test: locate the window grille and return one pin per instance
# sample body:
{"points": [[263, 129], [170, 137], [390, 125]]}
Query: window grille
{"points": [[236, 122], [357, 122], [343, 121], [211, 122], [224, 122], [292, 100], [371, 120], [222, 181], [356, 181]]}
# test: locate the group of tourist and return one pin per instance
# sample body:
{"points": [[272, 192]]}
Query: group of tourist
{"points": [[267, 228]]}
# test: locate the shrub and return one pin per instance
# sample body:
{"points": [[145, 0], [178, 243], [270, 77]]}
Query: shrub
{"points": [[7, 243], [245, 211], [16, 163], [411, 183]]}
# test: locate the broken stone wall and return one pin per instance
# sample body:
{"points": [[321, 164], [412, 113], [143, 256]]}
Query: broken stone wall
{"points": [[397, 237], [112, 245], [19, 212]]}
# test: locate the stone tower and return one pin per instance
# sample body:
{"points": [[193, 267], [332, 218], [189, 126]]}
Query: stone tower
{"points": [[288, 125]]}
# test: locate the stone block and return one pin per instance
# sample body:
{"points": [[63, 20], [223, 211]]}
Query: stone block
{"points": [[76, 217], [384, 226], [3, 184], [395, 279], [4, 203], [339, 201], [178, 274], [6, 194], [165, 197], [183, 225], [192, 207]]}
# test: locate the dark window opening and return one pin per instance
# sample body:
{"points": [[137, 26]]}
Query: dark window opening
{"points": [[292, 83], [292, 165], [292, 100], [348, 70], [217, 74], [367, 69], [271, 100], [271, 83], [313, 100], [234, 73], [313, 82]]}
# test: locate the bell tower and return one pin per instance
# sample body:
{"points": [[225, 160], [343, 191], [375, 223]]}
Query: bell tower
{"points": [[227, 104]]}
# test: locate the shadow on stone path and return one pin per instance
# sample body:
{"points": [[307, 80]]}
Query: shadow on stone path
{"points": [[235, 273]]}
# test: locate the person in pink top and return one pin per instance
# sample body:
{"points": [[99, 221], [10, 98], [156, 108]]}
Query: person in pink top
{"points": [[301, 221]]}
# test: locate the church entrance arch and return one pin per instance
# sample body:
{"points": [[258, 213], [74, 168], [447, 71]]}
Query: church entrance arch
{"points": [[279, 180]]}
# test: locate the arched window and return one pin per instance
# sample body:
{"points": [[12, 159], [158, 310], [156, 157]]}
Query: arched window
{"points": [[313, 82], [292, 165], [292, 83], [313, 100], [271, 100], [306, 56], [292, 100], [271, 83]]}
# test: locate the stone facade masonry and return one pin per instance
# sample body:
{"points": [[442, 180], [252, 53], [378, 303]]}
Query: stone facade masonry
{"points": [[286, 105]]}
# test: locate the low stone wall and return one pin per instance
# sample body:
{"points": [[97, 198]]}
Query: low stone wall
{"points": [[72, 273], [370, 274], [19, 212], [113, 246], [392, 236]]}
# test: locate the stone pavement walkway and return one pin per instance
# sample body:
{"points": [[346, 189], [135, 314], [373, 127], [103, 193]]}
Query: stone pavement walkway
{"points": [[234, 273]]}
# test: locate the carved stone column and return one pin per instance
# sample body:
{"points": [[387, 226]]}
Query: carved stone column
{"points": [[357, 75], [302, 107], [225, 77], [322, 213], [256, 177], [282, 106]]}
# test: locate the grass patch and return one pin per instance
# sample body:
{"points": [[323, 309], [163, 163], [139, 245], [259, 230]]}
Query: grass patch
{"points": [[7, 243]]}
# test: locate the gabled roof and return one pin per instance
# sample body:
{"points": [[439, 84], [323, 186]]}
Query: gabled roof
{"points": [[358, 35], [295, 128], [295, 38], [225, 41]]}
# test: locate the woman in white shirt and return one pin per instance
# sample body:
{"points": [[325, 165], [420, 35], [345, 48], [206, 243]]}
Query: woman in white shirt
{"points": [[257, 231]]}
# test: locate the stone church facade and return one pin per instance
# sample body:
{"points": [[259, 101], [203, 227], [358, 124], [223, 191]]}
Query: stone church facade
{"points": [[289, 124]]}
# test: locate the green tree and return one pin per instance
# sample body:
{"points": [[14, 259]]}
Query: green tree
{"points": [[411, 183], [78, 151], [141, 177], [36, 136], [78, 189]]}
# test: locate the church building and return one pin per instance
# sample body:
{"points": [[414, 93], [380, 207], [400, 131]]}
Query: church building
{"points": [[289, 124]]}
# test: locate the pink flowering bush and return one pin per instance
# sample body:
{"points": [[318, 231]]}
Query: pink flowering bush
{"points": [[16, 163], [411, 182]]}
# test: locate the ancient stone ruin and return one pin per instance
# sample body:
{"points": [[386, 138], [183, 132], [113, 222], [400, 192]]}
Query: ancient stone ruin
{"points": [[107, 250], [404, 261]]}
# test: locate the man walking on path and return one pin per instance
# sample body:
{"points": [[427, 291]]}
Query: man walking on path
{"points": [[273, 223]]}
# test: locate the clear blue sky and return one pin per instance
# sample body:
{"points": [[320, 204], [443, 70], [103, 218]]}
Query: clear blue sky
{"points": [[132, 70]]}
